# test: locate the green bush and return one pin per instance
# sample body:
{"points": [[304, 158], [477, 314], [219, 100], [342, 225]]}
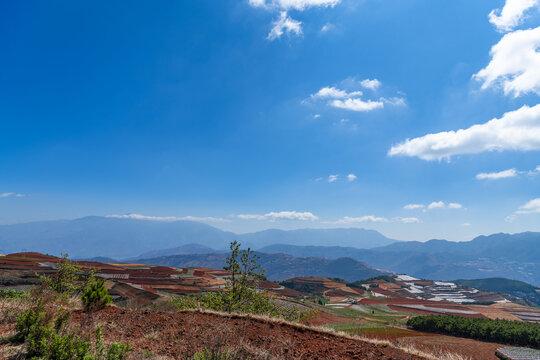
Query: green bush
{"points": [[95, 296], [46, 336], [501, 331], [12, 294]]}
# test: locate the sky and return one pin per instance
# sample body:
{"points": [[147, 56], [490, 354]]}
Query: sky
{"points": [[416, 118]]}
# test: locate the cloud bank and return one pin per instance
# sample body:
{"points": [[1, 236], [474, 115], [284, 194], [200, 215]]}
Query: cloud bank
{"points": [[282, 215], [517, 130]]}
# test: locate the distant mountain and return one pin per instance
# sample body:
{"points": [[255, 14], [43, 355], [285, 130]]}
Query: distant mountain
{"points": [[278, 266], [128, 238], [512, 256], [179, 250], [352, 237], [109, 237], [327, 252]]}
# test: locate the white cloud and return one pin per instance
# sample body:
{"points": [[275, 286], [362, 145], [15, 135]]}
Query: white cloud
{"points": [[285, 24], [511, 14], [293, 4], [327, 27], [351, 100], [370, 84], [168, 218], [351, 177], [530, 207], [413, 206], [316, 116], [498, 175], [334, 93], [367, 218], [515, 63], [516, 130], [454, 206], [282, 215], [10, 194], [332, 178], [357, 104], [409, 220], [466, 224], [436, 205]]}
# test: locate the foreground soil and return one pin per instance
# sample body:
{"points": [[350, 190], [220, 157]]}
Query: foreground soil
{"points": [[176, 335]]}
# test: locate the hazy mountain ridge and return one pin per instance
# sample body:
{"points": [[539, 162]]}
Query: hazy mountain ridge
{"points": [[129, 238]]}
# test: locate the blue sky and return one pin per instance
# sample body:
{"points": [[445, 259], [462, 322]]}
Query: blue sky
{"points": [[253, 114]]}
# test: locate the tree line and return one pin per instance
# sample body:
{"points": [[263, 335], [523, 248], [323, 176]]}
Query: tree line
{"points": [[501, 331]]}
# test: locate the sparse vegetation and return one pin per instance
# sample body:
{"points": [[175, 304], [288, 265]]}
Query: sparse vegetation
{"points": [[242, 295], [65, 281], [95, 295]]}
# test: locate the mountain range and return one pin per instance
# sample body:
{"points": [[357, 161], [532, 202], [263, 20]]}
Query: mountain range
{"points": [[124, 238], [512, 256]]}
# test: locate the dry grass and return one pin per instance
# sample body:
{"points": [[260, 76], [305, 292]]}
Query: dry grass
{"points": [[436, 355]]}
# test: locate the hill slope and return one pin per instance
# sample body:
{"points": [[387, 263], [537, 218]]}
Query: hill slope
{"points": [[278, 266]]}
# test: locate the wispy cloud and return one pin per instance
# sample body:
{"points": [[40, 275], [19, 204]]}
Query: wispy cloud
{"points": [[498, 175], [433, 205], [408, 220], [168, 218], [281, 215], [516, 130], [327, 27], [352, 99], [351, 177], [530, 207], [332, 178], [510, 173], [512, 14], [414, 206], [285, 24], [361, 219], [10, 194]]}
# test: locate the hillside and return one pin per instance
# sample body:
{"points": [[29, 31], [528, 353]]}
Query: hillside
{"points": [[121, 238], [513, 287], [278, 266]]}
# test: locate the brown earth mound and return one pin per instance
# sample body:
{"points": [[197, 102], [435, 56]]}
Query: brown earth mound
{"points": [[178, 334]]}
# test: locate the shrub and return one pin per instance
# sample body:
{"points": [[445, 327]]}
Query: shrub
{"points": [[46, 336], [95, 295], [12, 294], [65, 281]]}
